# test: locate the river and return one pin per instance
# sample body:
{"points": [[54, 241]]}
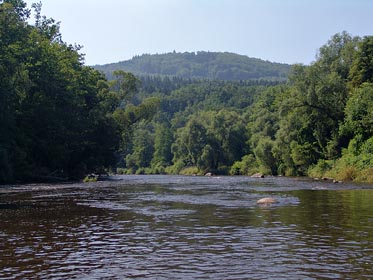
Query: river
{"points": [[184, 227]]}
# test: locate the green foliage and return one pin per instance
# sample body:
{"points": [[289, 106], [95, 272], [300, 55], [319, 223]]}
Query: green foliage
{"points": [[90, 179], [125, 84], [313, 107], [338, 55], [264, 155], [163, 140], [262, 126], [210, 140], [320, 169], [296, 128], [143, 149], [303, 156], [201, 65], [247, 166], [207, 159], [362, 68], [61, 119], [189, 143], [359, 113], [58, 118], [356, 163], [192, 170]]}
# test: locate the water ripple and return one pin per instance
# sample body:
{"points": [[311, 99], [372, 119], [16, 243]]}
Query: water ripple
{"points": [[185, 228]]}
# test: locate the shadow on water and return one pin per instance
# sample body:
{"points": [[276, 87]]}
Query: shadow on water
{"points": [[175, 227]]}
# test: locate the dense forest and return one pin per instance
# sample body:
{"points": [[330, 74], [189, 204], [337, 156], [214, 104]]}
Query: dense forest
{"points": [[60, 119], [201, 65], [317, 123]]}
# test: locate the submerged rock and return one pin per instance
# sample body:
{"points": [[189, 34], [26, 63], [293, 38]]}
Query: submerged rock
{"points": [[266, 200], [257, 175]]}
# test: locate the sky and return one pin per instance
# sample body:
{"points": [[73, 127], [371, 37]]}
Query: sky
{"points": [[286, 31]]}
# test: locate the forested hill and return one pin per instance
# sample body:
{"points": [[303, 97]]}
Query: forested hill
{"points": [[62, 120], [201, 65]]}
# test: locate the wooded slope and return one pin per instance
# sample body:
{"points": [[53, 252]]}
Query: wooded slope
{"points": [[201, 65]]}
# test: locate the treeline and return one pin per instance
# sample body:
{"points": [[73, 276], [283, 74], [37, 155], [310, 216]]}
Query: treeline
{"points": [[201, 65], [319, 123], [195, 118], [59, 119]]}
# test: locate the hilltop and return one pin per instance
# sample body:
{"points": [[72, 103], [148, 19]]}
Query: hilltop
{"points": [[201, 65]]}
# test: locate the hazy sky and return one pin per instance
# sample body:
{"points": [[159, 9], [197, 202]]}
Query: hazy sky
{"points": [[289, 31]]}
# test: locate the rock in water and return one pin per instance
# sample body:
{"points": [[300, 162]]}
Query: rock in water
{"points": [[266, 200], [257, 175]]}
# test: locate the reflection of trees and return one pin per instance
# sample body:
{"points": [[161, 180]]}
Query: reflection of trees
{"points": [[330, 217], [330, 210], [39, 234]]}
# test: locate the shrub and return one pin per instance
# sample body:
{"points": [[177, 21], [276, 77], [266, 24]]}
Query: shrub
{"points": [[191, 170], [90, 179], [247, 166], [365, 175], [319, 169]]}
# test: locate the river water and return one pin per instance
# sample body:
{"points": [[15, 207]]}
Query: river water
{"points": [[179, 227]]}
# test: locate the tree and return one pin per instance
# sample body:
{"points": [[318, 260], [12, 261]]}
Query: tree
{"points": [[207, 160], [264, 155], [359, 113], [13, 80], [125, 84], [226, 136], [362, 68], [189, 143], [57, 116], [262, 127], [163, 139], [127, 116], [314, 105], [143, 149], [338, 54]]}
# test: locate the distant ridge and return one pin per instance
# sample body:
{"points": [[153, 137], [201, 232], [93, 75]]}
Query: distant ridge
{"points": [[201, 65]]}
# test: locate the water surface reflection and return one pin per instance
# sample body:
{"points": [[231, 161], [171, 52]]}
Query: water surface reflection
{"points": [[174, 227]]}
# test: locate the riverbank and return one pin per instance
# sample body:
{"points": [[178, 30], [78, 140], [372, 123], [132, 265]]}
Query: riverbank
{"points": [[341, 170]]}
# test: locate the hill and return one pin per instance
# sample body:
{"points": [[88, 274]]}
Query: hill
{"points": [[201, 65]]}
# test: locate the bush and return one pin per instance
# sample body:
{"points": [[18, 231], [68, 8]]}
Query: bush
{"points": [[121, 171], [140, 171], [192, 170], [90, 179], [176, 168], [236, 168], [319, 169], [365, 175], [247, 166], [158, 169]]}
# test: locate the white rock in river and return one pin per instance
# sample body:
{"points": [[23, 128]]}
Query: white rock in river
{"points": [[266, 200]]}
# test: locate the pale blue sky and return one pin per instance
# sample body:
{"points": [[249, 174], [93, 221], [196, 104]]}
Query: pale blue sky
{"points": [[289, 31]]}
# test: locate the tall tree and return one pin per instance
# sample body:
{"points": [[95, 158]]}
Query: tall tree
{"points": [[58, 118], [162, 146], [362, 68], [13, 81], [143, 149], [189, 143], [315, 105]]}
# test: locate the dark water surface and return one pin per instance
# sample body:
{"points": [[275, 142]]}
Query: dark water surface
{"points": [[174, 227]]}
